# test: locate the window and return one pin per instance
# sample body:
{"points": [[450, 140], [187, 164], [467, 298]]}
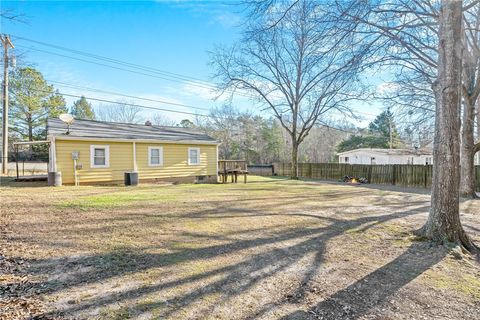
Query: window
{"points": [[428, 160], [346, 160], [193, 156], [99, 156], [155, 156]]}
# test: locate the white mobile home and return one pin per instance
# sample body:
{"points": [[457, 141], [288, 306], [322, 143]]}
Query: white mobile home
{"points": [[386, 156]]}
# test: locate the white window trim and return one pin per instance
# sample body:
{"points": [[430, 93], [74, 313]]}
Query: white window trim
{"points": [[198, 156], [92, 156], [160, 153]]}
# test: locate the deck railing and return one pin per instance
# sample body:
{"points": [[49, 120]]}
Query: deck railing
{"points": [[233, 168]]}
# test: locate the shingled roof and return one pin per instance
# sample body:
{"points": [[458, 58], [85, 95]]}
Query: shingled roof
{"points": [[412, 151], [112, 130]]}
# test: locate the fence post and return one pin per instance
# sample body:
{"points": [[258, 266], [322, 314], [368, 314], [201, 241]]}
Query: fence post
{"points": [[425, 169], [394, 174]]}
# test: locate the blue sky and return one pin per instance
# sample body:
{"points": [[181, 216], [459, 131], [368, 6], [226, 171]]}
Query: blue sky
{"points": [[172, 36]]}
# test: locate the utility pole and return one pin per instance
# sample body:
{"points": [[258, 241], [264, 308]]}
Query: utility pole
{"points": [[6, 44]]}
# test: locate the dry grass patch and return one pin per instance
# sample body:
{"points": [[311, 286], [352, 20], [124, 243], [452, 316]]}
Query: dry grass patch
{"points": [[272, 248]]}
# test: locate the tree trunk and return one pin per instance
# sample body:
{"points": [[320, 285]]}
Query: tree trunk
{"points": [[294, 173], [443, 224], [478, 120], [467, 153], [30, 137], [477, 152]]}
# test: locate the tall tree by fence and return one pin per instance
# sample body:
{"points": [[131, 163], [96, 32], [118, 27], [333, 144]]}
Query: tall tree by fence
{"points": [[443, 224], [301, 67]]}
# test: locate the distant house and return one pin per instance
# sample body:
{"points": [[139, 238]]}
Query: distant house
{"points": [[386, 156], [104, 151]]}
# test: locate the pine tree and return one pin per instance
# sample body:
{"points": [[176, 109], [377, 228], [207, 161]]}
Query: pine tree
{"points": [[82, 109], [382, 133], [384, 126], [33, 100]]}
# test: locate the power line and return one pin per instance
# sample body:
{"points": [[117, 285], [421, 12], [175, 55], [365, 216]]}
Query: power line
{"points": [[338, 129], [67, 85], [99, 57], [160, 109], [114, 67], [152, 72], [165, 102], [164, 75], [124, 103]]}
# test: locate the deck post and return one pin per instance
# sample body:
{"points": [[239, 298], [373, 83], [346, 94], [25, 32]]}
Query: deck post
{"points": [[16, 159]]}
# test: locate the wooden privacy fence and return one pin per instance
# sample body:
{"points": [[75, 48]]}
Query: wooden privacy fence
{"points": [[407, 175], [261, 169]]}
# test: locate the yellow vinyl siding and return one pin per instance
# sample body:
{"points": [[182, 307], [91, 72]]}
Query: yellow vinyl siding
{"points": [[175, 161], [121, 160]]}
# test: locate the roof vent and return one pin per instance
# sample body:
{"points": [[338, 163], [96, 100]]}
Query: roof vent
{"points": [[148, 123]]}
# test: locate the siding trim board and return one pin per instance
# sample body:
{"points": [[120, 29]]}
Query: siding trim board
{"points": [[106, 156], [135, 165], [152, 141], [160, 156], [197, 160]]}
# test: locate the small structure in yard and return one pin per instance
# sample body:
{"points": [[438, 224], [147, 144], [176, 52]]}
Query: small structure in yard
{"points": [[234, 168], [422, 156], [91, 151], [34, 171]]}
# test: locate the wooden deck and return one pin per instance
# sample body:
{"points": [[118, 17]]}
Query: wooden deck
{"points": [[232, 168]]}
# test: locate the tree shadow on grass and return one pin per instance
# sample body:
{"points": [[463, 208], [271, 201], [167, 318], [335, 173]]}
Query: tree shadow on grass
{"points": [[272, 255], [374, 289]]}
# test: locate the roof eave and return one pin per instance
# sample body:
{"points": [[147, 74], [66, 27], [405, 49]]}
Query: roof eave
{"points": [[73, 138]]}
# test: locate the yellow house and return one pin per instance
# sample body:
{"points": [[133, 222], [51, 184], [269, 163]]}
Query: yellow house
{"points": [[90, 151]]}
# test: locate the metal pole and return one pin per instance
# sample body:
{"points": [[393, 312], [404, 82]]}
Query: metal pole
{"points": [[6, 43], [75, 172]]}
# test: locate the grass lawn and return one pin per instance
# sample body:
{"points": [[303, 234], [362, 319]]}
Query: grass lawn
{"points": [[270, 249]]}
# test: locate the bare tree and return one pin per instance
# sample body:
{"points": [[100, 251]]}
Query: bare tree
{"points": [[123, 111], [321, 144], [470, 93], [443, 224], [12, 15], [162, 120], [243, 135], [298, 61], [410, 28]]}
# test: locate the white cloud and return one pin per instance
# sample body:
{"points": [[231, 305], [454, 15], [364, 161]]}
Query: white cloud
{"points": [[220, 12], [386, 87], [204, 92], [226, 19]]}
